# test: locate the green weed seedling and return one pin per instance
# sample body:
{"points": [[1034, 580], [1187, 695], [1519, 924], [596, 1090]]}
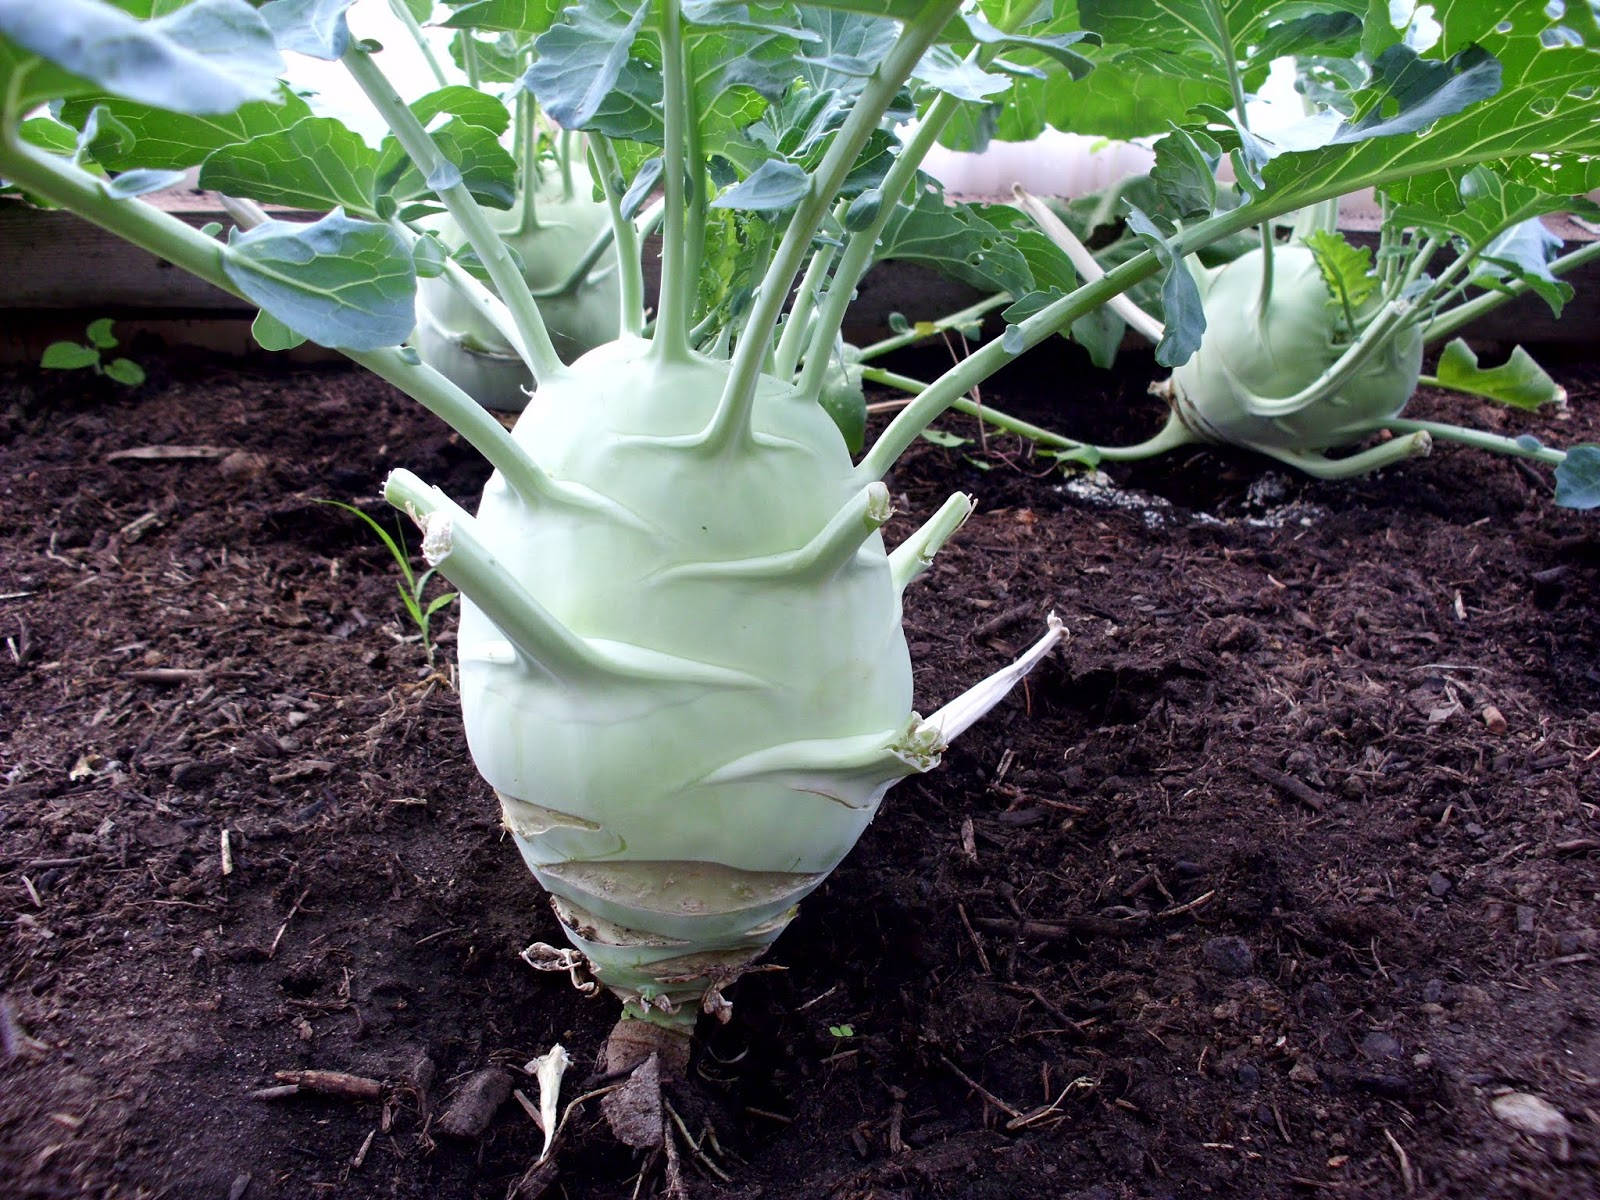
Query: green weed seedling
{"points": [[90, 355], [410, 585]]}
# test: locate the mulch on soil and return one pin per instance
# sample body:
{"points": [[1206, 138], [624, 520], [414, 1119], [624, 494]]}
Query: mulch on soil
{"points": [[1275, 882]]}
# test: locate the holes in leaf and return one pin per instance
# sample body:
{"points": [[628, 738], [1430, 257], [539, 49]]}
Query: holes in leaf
{"points": [[1559, 35], [1544, 106], [1556, 9]]}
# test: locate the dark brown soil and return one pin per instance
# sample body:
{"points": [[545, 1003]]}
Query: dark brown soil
{"points": [[1248, 893]]}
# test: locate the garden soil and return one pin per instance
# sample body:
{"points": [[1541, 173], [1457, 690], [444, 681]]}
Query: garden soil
{"points": [[1280, 879]]}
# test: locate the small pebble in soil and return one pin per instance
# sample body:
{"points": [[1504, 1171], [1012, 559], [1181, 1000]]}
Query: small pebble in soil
{"points": [[1433, 991], [1248, 1074], [1380, 1045], [1229, 955], [1319, 997], [1439, 884]]}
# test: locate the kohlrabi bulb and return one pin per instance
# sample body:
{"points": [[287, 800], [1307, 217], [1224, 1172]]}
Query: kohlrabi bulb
{"points": [[1242, 357], [466, 349]]}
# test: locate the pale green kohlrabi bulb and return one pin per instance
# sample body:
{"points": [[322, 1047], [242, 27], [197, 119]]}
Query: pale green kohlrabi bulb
{"points": [[730, 695], [466, 349], [1240, 359]]}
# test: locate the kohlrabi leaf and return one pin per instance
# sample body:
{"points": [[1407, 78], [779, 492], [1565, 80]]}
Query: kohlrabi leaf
{"points": [[1184, 315], [1518, 382], [474, 154], [1496, 216], [210, 56], [177, 140], [955, 241], [314, 164], [581, 57], [140, 181], [773, 187], [1421, 91], [1522, 254], [1346, 269], [1543, 77], [467, 104], [272, 334], [526, 18], [944, 70], [340, 282], [313, 27], [1578, 478], [1185, 172], [47, 133]]}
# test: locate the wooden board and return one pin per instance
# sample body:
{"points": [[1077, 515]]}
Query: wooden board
{"points": [[57, 272]]}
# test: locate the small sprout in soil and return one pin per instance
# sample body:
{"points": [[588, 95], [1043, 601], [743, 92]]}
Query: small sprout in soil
{"points": [[90, 355], [410, 585]]}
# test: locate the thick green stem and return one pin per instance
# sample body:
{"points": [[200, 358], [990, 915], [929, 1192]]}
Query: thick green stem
{"points": [[732, 419], [1476, 438], [671, 339], [1443, 325], [1172, 435], [924, 330], [915, 555], [819, 559], [403, 14], [793, 337], [568, 187], [1230, 60], [527, 140], [630, 279], [542, 361], [862, 247]]}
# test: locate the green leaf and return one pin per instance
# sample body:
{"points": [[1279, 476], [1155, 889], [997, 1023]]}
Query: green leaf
{"points": [[99, 333], [437, 603], [211, 56], [125, 371], [1185, 172], [1578, 478], [1424, 91], [272, 334], [484, 166], [346, 284], [773, 187], [140, 182], [173, 141], [1346, 269], [956, 241], [69, 356], [942, 69], [1540, 104], [1519, 382], [313, 27], [949, 441], [526, 18], [470, 105], [581, 58], [49, 134], [315, 164], [1183, 312]]}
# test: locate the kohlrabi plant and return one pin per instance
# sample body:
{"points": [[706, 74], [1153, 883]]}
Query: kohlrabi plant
{"points": [[556, 226], [1310, 343], [681, 660]]}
